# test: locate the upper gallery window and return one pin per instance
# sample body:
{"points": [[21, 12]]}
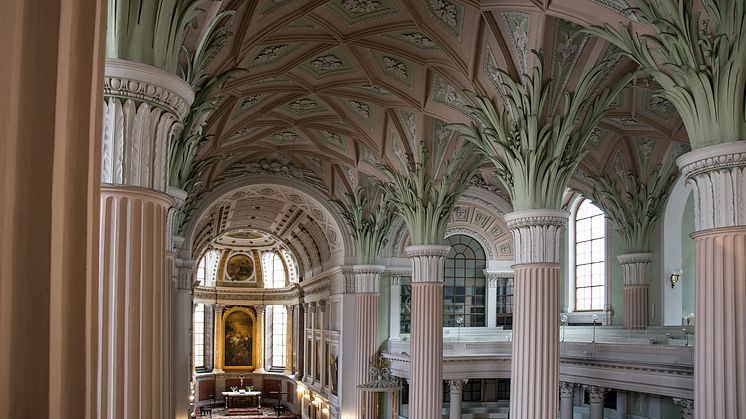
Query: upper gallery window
{"points": [[464, 288], [208, 267], [199, 335], [279, 335], [590, 257], [273, 270]]}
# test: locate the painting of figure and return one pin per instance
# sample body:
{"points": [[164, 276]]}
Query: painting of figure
{"points": [[239, 328]]}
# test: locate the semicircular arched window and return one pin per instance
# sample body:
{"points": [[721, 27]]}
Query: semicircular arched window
{"points": [[273, 270]]}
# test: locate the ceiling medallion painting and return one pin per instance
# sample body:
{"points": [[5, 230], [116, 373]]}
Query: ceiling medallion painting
{"points": [[240, 267]]}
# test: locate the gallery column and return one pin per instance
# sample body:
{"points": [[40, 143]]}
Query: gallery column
{"points": [[290, 309], [535, 362], [218, 363], [425, 396], [635, 267], [717, 175], [367, 282], [260, 339], [687, 407], [456, 391], [567, 390], [596, 395], [143, 107]]}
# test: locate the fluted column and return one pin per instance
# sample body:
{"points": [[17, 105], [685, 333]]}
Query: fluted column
{"points": [[426, 357], [687, 407], [143, 107], [218, 346], [567, 390], [456, 390], [635, 267], [306, 349], [322, 355], [717, 175], [535, 361], [260, 309], [395, 319], [596, 395], [312, 353], [289, 339]]}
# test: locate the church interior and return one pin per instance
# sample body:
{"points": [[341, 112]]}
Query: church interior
{"points": [[373, 209]]}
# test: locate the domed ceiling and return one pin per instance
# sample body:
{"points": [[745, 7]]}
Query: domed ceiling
{"points": [[334, 87]]}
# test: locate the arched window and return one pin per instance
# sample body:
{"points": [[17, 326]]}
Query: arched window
{"points": [[273, 270], [199, 335], [464, 288], [279, 335], [208, 267], [590, 257]]}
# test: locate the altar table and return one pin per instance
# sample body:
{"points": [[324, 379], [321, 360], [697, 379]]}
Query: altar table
{"points": [[242, 399]]}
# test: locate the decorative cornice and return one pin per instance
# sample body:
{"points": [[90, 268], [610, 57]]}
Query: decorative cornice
{"points": [[717, 175], [142, 82], [536, 234], [427, 262], [494, 277]]}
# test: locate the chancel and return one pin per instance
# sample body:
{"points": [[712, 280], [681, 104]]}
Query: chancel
{"points": [[373, 209]]}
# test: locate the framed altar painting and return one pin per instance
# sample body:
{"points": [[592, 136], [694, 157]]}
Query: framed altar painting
{"points": [[239, 336]]}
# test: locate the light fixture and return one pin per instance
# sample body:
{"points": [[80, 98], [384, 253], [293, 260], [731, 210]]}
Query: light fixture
{"points": [[675, 277], [563, 319]]}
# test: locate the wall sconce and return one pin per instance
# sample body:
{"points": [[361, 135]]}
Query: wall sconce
{"points": [[675, 277]]}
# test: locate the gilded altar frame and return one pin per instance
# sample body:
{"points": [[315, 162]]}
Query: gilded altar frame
{"points": [[255, 339]]}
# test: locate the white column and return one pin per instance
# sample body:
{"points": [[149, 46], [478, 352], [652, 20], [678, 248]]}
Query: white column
{"points": [[180, 325], [426, 357], [456, 388], [260, 309], [491, 306], [567, 391], [395, 318], [144, 106], [312, 352], [289, 341], [367, 282], [687, 407], [717, 175], [535, 360], [322, 339], [596, 394], [218, 346], [306, 350], [621, 404], [635, 267]]}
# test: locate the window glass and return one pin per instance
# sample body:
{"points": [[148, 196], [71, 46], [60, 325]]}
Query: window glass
{"points": [[273, 270], [279, 335], [464, 288], [590, 257], [199, 335]]}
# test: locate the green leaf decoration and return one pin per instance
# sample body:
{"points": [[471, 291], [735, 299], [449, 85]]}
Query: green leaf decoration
{"points": [[633, 207], [536, 151], [700, 63], [424, 202], [370, 214]]}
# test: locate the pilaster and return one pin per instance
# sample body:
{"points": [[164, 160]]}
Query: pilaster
{"points": [[717, 176], [535, 359], [635, 268], [427, 330]]}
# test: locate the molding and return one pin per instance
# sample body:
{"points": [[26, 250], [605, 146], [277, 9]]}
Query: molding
{"points": [[717, 175], [635, 258], [536, 234], [132, 80]]}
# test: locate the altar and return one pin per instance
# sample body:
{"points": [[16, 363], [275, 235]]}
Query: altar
{"points": [[242, 399]]}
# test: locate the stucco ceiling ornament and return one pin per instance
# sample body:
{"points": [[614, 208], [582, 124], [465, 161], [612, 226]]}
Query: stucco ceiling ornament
{"points": [[697, 62], [327, 63], [535, 153], [362, 6], [274, 164], [633, 207], [424, 202]]}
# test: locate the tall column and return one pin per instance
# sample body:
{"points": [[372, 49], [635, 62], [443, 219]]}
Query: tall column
{"points": [[322, 355], [218, 351], [50, 132], [596, 394], [395, 319], [180, 325], [687, 407], [367, 282], [312, 353], [306, 350], [426, 356], [717, 175], [456, 390], [289, 339], [567, 391], [260, 340], [492, 305], [535, 362], [636, 283]]}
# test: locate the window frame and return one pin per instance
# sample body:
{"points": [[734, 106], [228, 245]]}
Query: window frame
{"points": [[198, 338]]}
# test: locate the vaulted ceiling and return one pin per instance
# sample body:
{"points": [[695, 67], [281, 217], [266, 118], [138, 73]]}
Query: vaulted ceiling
{"points": [[335, 86]]}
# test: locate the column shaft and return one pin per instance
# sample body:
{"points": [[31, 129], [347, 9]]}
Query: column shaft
{"points": [[289, 339], [535, 361], [366, 310], [322, 344], [717, 175], [260, 326], [218, 346], [456, 388], [567, 391], [133, 289], [426, 358], [635, 268]]}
